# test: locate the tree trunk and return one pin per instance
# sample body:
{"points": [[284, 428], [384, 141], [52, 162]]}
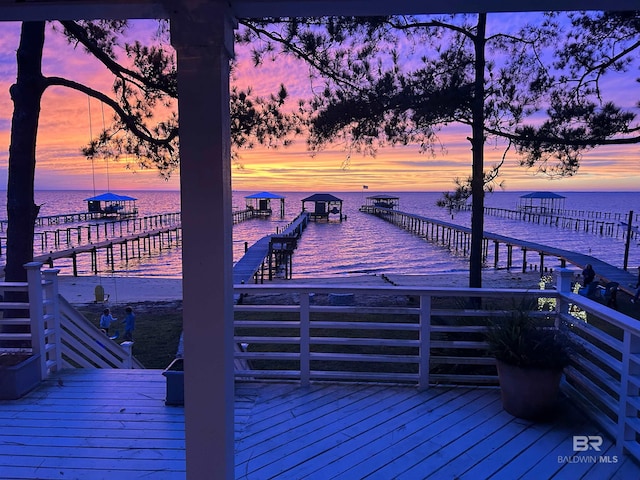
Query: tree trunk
{"points": [[477, 147], [26, 94]]}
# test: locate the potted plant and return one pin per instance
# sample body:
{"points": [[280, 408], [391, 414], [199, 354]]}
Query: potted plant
{"points": [[19, 374], [531, 354]]}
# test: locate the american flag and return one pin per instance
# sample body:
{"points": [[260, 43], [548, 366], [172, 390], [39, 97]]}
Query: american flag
{"points": [[365, 187]]}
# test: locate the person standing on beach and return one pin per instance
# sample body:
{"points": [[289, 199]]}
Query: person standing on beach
{"points": [[106, 320], [129, 324]]}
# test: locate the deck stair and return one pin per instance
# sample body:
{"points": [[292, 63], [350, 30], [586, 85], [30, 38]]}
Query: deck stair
{"points": [[85, 346], [62, 336]]}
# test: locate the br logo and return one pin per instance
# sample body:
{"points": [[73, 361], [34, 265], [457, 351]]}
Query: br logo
{"points": [[582, 443]]}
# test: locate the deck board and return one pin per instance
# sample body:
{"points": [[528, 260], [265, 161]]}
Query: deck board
{"points": [[426, 435], [366, 448], [105, 424]]}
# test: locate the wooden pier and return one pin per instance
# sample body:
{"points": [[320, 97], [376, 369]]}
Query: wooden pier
{"points": [[48, 220], [270, 253], [242, 215], [80, 235], [134, 236], [608, 224], [458, 239], [131, 246]]}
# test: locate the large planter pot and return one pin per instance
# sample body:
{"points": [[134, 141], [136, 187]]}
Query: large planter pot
{"points": [[529, 393], [19, 377]]}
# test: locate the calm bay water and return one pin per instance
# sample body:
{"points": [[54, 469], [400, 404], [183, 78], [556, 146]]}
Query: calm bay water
{"points": [[364, 244]]}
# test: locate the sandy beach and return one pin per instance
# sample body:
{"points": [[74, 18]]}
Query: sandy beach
{"points": [[80, 290]]}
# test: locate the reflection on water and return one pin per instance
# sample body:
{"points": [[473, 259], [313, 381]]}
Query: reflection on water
{"points": [[364, 244]]}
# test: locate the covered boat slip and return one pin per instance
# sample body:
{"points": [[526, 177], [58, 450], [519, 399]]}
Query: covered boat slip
{"points": [[382, 201], [112, 205], [98, 424], [324, 206], [261, 203], [542, 202]]}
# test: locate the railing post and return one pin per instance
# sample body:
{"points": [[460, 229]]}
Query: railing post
{"points": [[305, 341], [34, 280], [128, 361], [564, 278], [53, 308], [628, 388], [425, 341]]}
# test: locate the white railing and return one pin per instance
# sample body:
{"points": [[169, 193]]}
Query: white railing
{"points": [[53, 329], [433, 336], [430, 336], [86, 346], [604, 377], [30, 320]]}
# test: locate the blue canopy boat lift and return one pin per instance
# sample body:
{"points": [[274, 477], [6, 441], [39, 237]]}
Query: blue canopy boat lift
{"points": [[108, 205], [260, 204]]}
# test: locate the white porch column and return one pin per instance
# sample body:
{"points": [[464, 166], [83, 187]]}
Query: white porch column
{"points": [[202, 34]]}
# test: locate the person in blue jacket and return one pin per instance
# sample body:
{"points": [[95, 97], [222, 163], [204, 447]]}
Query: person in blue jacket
{"points": [[129, 324], [106, 319]]}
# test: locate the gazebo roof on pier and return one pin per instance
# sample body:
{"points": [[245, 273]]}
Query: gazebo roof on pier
{"points": [[110, 197], [265, 195], [541, 201], [322, 197], [542, 195]]}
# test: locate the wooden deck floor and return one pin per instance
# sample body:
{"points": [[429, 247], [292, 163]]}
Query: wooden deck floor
{"points": [[114, 424]]}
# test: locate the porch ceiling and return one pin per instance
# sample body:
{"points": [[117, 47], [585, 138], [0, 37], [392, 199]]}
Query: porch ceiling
{"points": [[11, 10]]}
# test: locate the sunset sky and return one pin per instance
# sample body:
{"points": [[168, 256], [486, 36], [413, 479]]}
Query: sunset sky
{"points": [[65, 127]]}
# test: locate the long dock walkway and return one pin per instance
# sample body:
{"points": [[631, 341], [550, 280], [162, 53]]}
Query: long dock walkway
{"points": [[87, 233], [270, 252], [130, 245], [252, 261], [614, 225], [605, 271], [48, 220], [458, 238]]}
